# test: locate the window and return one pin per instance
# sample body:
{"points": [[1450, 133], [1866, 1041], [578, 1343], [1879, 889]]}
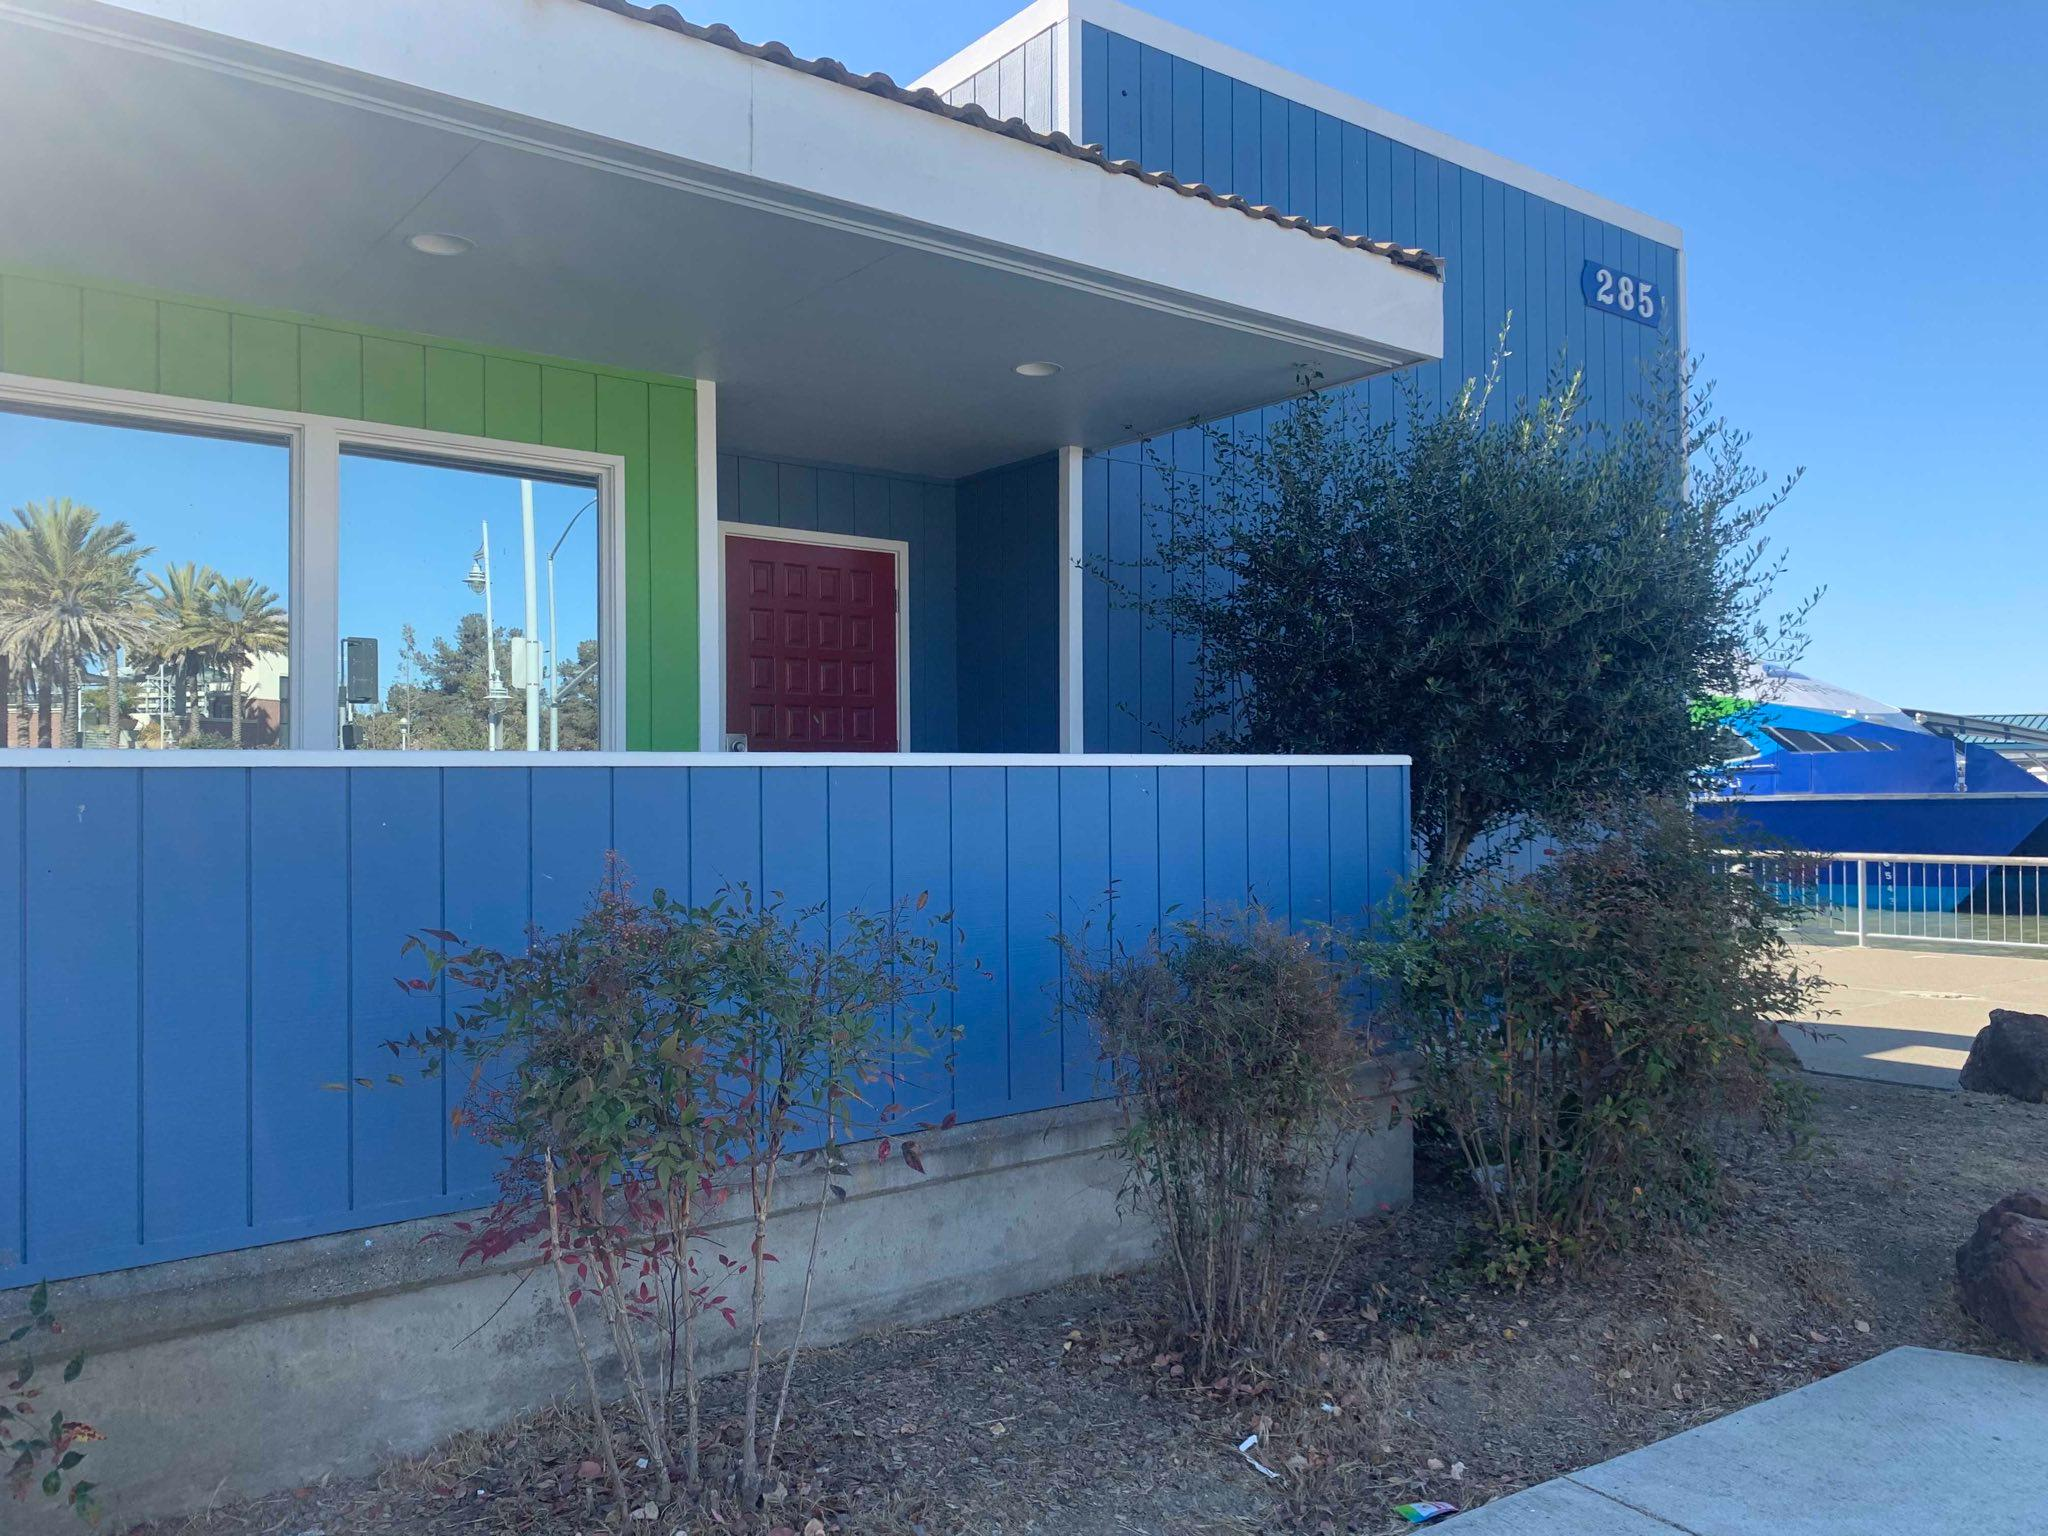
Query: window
{"points": [[1818, 741], [469, 608], [144, 574], [1731, 746], [170, 569]]}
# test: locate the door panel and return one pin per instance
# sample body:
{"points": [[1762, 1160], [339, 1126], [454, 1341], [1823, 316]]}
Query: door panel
{"points": [[810, 647]]}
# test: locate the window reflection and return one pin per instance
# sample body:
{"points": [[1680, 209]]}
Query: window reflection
{"points": [[436, 557], [142, 582]]}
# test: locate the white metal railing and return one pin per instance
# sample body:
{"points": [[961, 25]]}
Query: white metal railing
{"points": [[1913, 897]]}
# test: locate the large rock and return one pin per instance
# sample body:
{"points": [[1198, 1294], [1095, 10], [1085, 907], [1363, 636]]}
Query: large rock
{"points": [[2002, 1271], [2010, 1056]]}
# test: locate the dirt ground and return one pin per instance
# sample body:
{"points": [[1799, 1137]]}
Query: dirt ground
{"points": [[1060, 1413]]}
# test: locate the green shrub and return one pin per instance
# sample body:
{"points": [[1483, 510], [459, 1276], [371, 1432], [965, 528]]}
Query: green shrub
{"points": [[1233, 1053], [1584, 1031], [43, 1453], [638, 1069]]}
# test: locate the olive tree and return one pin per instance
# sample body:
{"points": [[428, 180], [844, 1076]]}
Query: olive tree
{"points": [[1524, 601]]}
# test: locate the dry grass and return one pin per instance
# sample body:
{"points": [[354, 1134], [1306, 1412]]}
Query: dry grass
{"points": [[1070, 1413]]}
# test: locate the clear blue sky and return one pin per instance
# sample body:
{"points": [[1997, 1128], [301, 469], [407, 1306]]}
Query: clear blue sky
{"points": [[1863, 186]]}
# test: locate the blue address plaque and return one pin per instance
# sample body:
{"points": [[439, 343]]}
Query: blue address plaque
{"points": [[1622, 293]]}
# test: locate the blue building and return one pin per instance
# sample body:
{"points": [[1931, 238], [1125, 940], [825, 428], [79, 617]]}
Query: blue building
{"points": [[610, 433]]}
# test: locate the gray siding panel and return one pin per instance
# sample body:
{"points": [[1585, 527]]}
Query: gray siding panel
{"points": [[1022, 83]]}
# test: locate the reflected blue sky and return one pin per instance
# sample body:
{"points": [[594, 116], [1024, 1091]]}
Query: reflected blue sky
{"points": [[408, 534], [221, 502]]}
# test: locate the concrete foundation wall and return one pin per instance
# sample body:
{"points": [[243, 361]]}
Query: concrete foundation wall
{"points": [[261, 1369]]}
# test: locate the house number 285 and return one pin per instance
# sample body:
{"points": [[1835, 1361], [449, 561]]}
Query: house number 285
{"points": [[1622, 293]]}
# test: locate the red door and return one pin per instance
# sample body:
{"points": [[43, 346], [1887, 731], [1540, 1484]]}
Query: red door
{"points": [[810, 646]]}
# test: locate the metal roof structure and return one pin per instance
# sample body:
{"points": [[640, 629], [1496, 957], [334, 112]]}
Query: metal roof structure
{"points": [[925, 100], [2019, 738], [1987, 730]]}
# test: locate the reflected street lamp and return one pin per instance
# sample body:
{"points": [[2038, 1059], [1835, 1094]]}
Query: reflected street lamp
{"points": [[554, 642], [525, 672], [495, 696]]}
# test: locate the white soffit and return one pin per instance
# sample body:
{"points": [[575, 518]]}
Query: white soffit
{"points": [[573, 80]]}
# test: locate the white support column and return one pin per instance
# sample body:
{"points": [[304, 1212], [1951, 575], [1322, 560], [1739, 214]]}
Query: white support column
{"points": [[1072, 590], [710, 579], [315, 656]]}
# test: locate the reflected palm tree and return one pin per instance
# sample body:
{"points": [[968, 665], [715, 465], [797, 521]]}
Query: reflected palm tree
{"points": [[241, 621], [178, 601], [69, 589]]}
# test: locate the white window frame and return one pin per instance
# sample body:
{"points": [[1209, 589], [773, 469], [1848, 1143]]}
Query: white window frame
{"points": [[898, 548], [316, 445]]}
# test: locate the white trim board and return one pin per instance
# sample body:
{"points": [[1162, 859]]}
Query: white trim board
{"points": [[710, 578], [1073, 620], [33, 757], [316, 444], [899, 548], [1143, 27]]}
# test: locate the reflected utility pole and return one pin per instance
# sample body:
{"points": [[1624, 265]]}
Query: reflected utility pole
{"points": [[479, 580], [529, 648]]}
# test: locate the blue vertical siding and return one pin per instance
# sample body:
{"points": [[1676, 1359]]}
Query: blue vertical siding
{"points": [[1007, 528], [299, 1130], [14, 1117], [820, 499], [194, 977], [1031, 901], [199, 962], [83, 1013], [1509, 252]]}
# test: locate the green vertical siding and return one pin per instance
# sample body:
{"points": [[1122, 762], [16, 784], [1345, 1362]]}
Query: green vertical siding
{"points": [[192, 350], [42, 327], [200, 350], [455, 391], [263, 362], [331, 373], [672, 546], [119, 346]]}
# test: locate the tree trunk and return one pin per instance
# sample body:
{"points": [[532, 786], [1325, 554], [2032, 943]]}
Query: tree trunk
{"points": [[193, 694], [45, 736], [6, 702], [113, 660], [75, 705], [60, 706], [235, 706]]}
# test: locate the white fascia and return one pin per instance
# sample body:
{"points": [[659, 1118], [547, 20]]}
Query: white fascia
{"points": [[563, 78], [1142, 27]]}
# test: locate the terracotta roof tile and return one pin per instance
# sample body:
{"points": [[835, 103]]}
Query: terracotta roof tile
{"points": [[926, 100]]}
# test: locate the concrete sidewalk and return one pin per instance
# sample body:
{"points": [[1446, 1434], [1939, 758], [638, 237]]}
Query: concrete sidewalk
{"points": [[1914, 1440], [1908, 1015]]}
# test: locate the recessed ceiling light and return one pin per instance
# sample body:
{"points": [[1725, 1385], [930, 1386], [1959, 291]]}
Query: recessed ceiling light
{"points": [[1038, 370], [431, 243]]}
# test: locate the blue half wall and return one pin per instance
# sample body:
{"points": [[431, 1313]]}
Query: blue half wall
{"points": [[199, 959]]}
